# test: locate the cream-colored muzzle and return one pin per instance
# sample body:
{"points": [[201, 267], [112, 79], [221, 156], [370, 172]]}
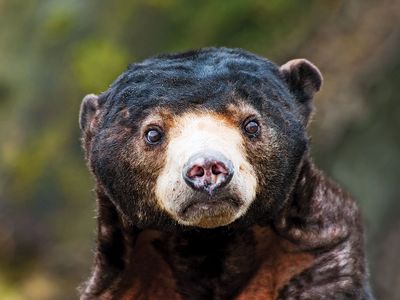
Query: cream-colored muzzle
{"points": [[202, 132]]}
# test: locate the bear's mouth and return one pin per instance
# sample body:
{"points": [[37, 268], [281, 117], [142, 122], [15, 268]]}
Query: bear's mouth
{"points": [[209, 208]]}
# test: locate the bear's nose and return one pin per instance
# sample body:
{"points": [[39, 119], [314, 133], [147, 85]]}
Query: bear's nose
{"points": [[208, 171]]}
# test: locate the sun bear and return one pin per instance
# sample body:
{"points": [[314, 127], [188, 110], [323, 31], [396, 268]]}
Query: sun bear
{"points": [[206, 189]]}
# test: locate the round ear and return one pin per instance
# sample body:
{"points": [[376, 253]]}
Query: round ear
{"points": [[303, 78], [89, 107]]}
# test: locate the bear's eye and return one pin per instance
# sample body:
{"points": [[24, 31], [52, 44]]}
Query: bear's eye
{"points": [[251, 127], [154, 136]]}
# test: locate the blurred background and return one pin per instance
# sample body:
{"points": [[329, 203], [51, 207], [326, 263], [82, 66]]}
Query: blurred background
{"points": [[53, 52]]}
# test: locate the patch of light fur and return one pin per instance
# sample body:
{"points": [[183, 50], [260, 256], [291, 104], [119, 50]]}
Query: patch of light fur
{"points": [[202, 132]]}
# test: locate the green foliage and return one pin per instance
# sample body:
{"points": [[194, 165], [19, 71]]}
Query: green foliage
{"points": [[96, 63]]}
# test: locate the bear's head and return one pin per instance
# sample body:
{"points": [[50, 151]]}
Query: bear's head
{"points": [[200, 139]]}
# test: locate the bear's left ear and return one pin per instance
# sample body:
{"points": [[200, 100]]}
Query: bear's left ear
{"points": [[304, 80]]}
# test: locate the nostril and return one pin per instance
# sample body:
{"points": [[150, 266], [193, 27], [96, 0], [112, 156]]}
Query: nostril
{"points": [[218, 168], [215, 170], [196, 171]]}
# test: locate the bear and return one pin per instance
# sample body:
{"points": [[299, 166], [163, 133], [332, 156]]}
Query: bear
{"points": [[206, 188]]}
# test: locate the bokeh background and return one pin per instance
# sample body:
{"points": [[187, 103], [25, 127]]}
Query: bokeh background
{"points": [[53, 52]]}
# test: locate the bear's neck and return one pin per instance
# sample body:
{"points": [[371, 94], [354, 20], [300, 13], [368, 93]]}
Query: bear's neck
{"points": [[211, 264], [202, 265]]}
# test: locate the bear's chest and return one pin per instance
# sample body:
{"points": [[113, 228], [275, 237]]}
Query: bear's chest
{"points": [[255, 264]]}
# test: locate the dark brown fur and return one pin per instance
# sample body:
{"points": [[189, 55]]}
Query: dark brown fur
{"points": [[300, 239], [313, 252]]}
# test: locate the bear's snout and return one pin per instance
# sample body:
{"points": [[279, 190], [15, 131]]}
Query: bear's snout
{"points": [[208, 171], [206, 180]]}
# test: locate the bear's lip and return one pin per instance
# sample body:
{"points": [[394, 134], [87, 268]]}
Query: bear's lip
{"points": [[209, 205]]}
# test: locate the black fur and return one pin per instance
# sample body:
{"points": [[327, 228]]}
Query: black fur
{"points": [[206, 79], [294, 202]]}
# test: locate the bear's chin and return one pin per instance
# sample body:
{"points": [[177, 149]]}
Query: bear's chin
{"points": [[210, 213]]}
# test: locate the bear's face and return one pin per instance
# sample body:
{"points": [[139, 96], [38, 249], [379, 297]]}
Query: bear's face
{"points": [[200, 139], [206, 178]]}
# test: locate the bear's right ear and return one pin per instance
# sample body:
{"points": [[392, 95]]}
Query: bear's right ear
{"points": [[88, 110], [303, 80]]}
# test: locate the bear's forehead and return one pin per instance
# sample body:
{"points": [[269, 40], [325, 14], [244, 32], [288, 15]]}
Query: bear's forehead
{"points": [[205, 63], [207, 77]]}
